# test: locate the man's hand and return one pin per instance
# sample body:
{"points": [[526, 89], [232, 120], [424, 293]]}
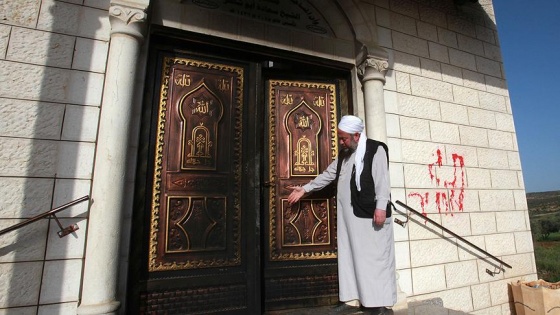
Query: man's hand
{"points": [[379, 216], [297, 193]]}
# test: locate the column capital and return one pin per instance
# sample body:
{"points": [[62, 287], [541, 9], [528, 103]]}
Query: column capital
{"points": [[373, 68], [128, 18]]}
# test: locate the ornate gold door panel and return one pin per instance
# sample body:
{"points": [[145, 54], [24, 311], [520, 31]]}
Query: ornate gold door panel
{"points": [[196, 218], [301, 247]]}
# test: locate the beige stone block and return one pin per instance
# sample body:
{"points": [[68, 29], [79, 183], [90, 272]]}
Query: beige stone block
{"points": [[20, 81], [59, 308], [471, 202], [430, 69], [500, 140], [4, 37], [419, 228], [511, 221], [520, 199], [481, 296], [100, 4], [418, 107], [60, 283], [428, 279], [383, 17], [19, 283], [90, 55], [430, 88], [485, 34], [474, 80], [24, 157], [403, 82], [20, 12], [324, 46], [451, 74], [523, 242], [483, 223], [417, 176], [70, 246], [75, 160], [492, 102], [390, 87], [68, 190], [438, 52], [491, 310], [24, 197], [384, 37], [465, 96], [393, 126], [467, 252], [492, 52], [497, 86], [402, 24], [496, 200], [410, 44], [31, 310], [482, 118], [446, 252], [500, 244], [28, 119], [460, 274], [24, 244], [420, 152], [460, 157], [406, 7], [395, 149], [455, 220], [462, 26], [427, 31], [522, 264], [478, 178], [414, 128], [444, 132], [469, 44], [431, 15], [499, 292], [344, 50], [504, 179], [407, 63], [71, 19], [504, 122], [42, 48], [402, 255], [489, 67], [80, 123], [454, 300], [473, 136], [447, 38], [396, 174], [462, 59], [454, 113], [404, 280]]}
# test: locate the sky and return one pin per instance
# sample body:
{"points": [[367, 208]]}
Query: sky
{"points": [[528, 32]]}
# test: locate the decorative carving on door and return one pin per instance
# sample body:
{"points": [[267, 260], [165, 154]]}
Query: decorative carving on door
{"points": [[302, 143], [196, 211]]}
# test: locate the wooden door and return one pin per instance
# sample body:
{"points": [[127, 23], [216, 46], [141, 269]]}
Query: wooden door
{"points": [[300, 240], [198, 239]]}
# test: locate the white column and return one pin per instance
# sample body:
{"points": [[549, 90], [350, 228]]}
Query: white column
{"points": [[372, 73], [99, 291]]}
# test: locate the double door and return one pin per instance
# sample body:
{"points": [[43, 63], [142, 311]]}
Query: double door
{"points": [[228, 137]]}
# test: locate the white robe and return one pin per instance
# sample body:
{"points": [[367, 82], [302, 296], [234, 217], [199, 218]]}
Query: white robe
{"points": [[366, 253]]}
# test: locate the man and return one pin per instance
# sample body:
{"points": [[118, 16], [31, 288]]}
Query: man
{"points": [[366, 254]]}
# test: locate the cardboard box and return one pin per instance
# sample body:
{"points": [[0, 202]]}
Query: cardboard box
{"points": [[536, 297]]}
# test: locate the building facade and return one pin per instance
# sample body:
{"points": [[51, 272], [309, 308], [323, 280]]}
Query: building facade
{"points": [[182, 121]]}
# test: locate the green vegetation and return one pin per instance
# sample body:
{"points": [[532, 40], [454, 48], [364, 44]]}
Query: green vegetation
{"points": [[544, 214]]}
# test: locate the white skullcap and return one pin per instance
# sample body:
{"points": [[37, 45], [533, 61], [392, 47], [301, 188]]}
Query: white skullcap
{"points": [[352, 124]]}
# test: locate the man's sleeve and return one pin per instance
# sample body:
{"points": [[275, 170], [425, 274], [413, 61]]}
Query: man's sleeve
{"points": [[323, 179], [380, 174]]}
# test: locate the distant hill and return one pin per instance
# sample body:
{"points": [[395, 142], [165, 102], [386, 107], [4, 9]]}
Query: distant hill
{"points": [[544, 201]]}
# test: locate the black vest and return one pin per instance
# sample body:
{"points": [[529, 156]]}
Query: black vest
{"points": [[363, 202]]}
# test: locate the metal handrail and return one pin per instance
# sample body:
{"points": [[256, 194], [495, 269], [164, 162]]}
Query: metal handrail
{"points": [[450, 232], [63, 231]]}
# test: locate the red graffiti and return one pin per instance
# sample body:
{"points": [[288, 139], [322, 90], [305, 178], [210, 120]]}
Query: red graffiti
{"points": [[451, 199]]}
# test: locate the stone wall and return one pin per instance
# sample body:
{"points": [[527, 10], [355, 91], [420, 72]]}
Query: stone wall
{"points": [[454, 154], [52, 63]]}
